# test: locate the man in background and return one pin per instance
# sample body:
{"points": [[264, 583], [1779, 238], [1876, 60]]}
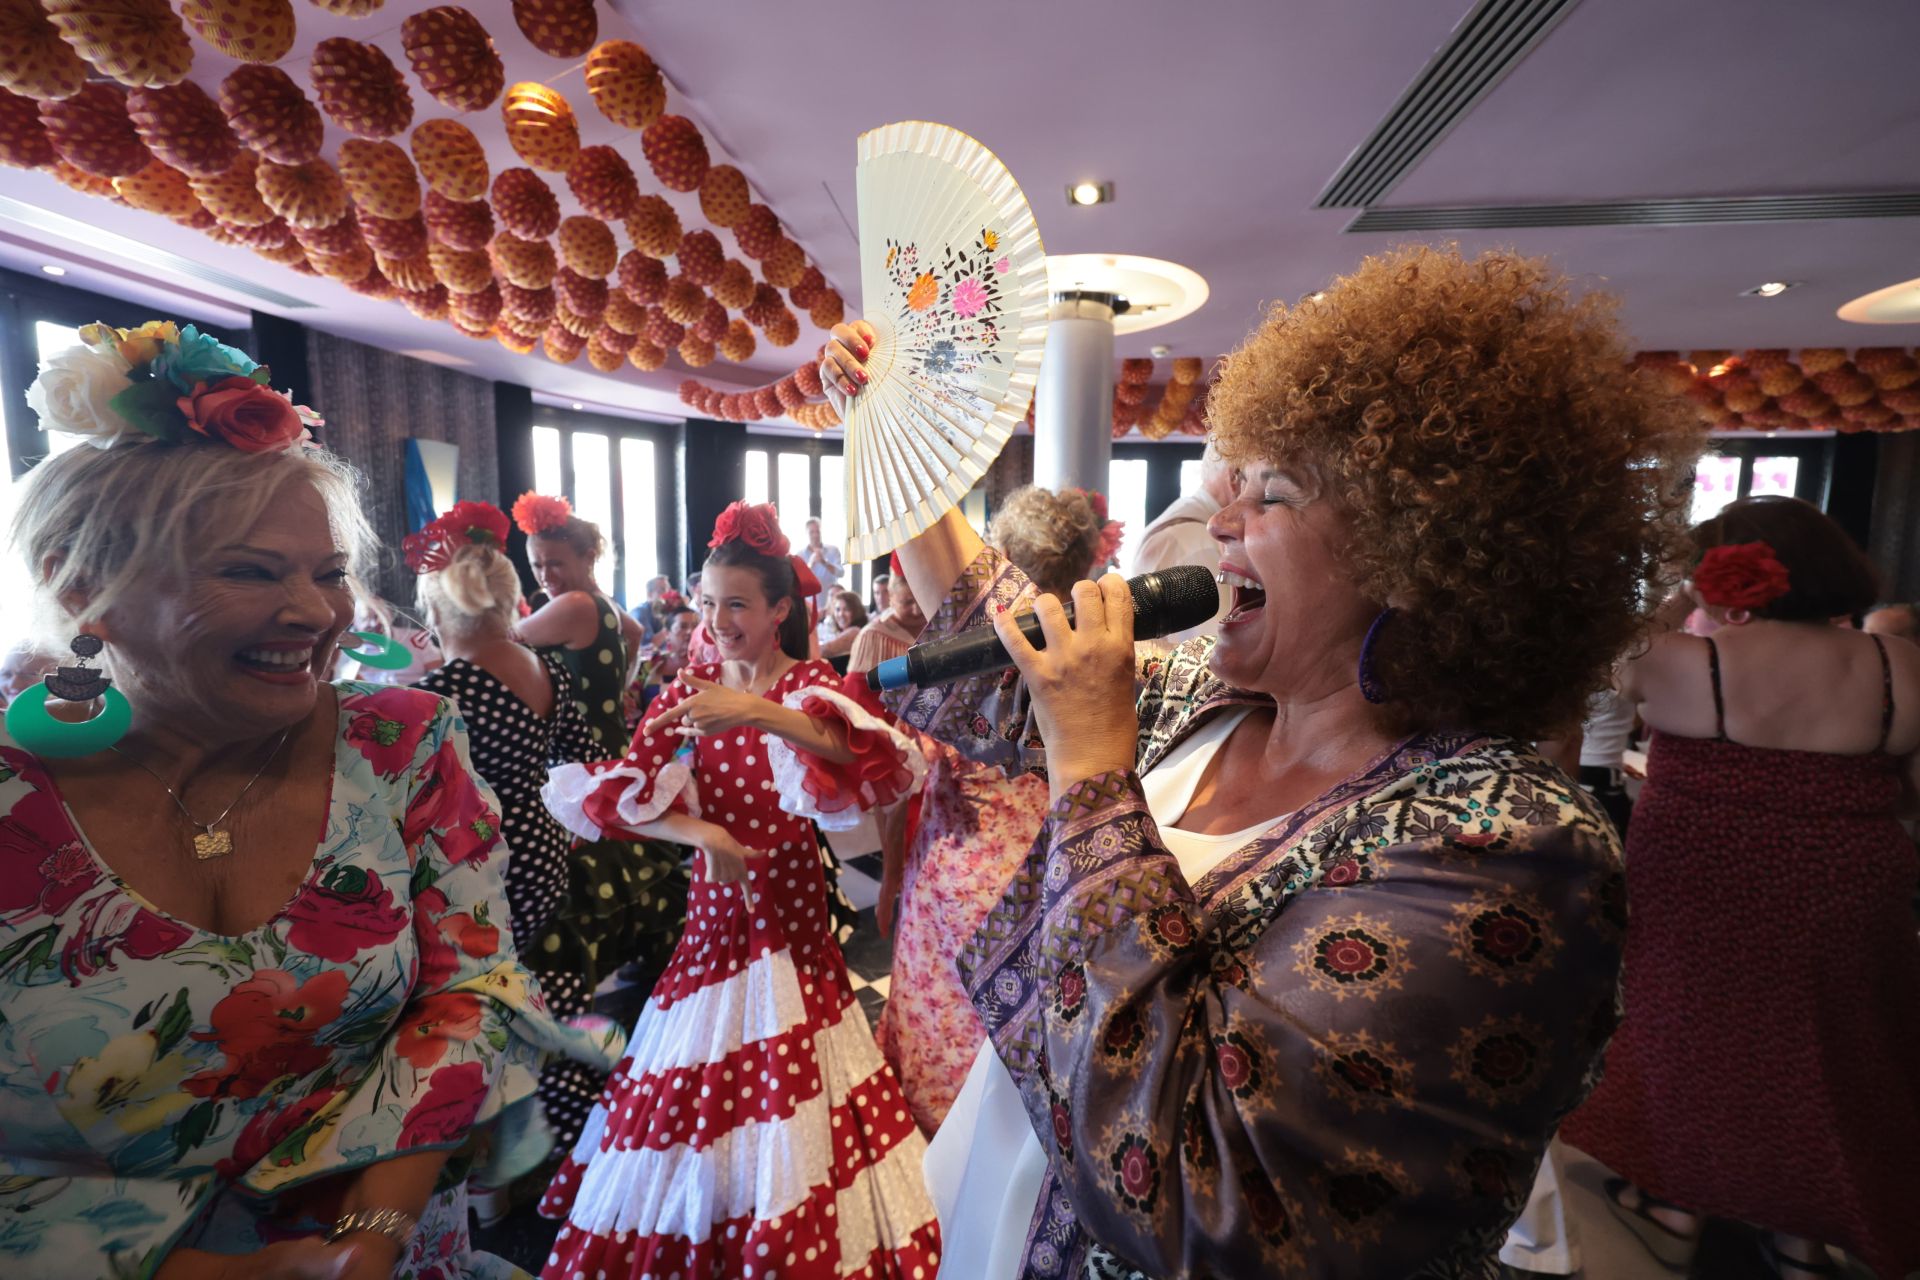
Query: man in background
{"points": [[1179, 536], [826, 563]]}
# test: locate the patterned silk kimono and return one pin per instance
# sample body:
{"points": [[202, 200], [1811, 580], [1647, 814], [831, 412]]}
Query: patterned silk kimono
{"points": [[1342, 1051]]}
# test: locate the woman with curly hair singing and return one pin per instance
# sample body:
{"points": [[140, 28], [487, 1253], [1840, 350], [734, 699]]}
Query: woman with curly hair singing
{"points": [[1313, 950]]}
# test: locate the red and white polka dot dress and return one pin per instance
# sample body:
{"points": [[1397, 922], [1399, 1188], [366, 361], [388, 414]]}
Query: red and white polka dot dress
{"points": [[754, 1129]]}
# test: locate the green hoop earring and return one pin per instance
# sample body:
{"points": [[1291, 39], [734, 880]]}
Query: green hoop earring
{"points": [[34, 729], [385, 653]]}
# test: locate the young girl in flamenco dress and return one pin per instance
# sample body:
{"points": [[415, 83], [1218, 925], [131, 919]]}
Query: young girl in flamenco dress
{"points": [[753, 1129]]}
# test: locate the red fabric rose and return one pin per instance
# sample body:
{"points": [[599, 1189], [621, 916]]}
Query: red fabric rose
{"points": [[448, 804], [1745, 575], [266, 1028], [438, 960], [478, 522], [112, 922], [43, 866], [452, 1100], [756, 525], [431, 1024], [248, 415], [345, 913], [475, 937]]}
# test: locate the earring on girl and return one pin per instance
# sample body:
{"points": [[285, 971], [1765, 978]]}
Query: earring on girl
{"points": [[382, 653], [35, 729], [1370, 687]]}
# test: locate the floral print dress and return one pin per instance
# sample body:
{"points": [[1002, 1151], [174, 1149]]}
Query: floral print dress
{"points": [[162, 1085]]}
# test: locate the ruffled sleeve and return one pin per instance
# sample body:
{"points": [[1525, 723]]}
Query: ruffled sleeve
{"points": [[609, 798], [886, 765]]}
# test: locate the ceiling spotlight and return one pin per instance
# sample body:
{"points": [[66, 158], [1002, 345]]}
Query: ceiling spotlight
{"points": [[1771, 289], [52, 270], [1085, 193], [1316, 295], [578, 405]]}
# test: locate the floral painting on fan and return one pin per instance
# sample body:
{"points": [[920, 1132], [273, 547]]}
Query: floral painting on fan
{"points": [[949, 314]]}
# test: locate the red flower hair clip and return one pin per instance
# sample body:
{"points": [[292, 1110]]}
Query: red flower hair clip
{"points": [[756, 525], [1743, 575], [536, 513], [469, 524]]}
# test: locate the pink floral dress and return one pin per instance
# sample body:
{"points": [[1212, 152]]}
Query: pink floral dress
{"points": [[754, 1129], [163, 1086]]}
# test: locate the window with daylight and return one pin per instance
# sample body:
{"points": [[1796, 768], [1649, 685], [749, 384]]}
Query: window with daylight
{"points": [[1127, 501], [805, 479], [617, 474], [1752, 466]]}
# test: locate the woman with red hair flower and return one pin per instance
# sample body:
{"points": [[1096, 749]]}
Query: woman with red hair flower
{"points": [[1765, 1068]]}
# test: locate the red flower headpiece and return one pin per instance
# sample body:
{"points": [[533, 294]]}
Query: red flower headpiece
{"points": [[475, 524], [1744, 575], [536, 513], [671, 599], [756, 525]]}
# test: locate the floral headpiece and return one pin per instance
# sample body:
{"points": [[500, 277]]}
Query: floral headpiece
{"points": [[1742, 575], [536, 513], [168, 382], [758, 525], [671, 599], [469, 524], [1111, 531]]}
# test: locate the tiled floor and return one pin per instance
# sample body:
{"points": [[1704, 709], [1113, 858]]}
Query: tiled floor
{"points": [[1609, 1251]]}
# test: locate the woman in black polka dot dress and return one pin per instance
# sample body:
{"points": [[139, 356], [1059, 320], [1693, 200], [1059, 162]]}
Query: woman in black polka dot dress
{"points": [[626, 901]]}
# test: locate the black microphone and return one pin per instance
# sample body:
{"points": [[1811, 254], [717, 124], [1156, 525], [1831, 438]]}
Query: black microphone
{"points": [[1170, 600]]}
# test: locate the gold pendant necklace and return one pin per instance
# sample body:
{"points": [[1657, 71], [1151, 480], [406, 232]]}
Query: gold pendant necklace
{"points": [[210, 843]]}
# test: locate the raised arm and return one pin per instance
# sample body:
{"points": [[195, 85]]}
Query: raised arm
{"points": [[572, 621]]}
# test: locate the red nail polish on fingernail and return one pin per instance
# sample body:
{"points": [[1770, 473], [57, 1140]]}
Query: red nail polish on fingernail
{"points": [[862, 375], [848, 387], [865, 352]]}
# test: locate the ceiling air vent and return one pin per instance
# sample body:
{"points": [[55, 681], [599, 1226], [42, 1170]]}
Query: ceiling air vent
{"points": [[1644, 213], [133, 251], [1483, 48]]}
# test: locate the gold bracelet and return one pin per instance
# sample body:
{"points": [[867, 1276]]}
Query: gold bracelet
{"points": [[391, 1223]]}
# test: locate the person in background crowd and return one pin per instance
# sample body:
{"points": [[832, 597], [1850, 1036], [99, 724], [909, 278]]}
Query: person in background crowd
{"points": [[522, 718], [841, 625], [892, 633], [882, 585], [1765, 1070], [372, 614], [668, 658], [826, 563], [261, 1006], [1604, 740], [1314, 950], [23, 667], [1891, 620], [1178, 535], [1048, 531], [753, 1119], [626, 901]]}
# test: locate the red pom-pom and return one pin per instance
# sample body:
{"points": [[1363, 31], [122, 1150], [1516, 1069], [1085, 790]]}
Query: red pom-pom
{"points": [[758, 232], [184, 127], [701, 258], [712, 324], [787, 390], [360, 88], [676, 152], [458, 224], [583, 295], [765, 306], [642, 278], [807, 379], [603, 182], [807, 288], [525, 204], [534, 306], [662, 331], [536, 513], [562, 28], [767, 401]]}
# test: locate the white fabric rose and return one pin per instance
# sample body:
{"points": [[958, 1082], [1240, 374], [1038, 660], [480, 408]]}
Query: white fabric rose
{"points": [[73, 392]]}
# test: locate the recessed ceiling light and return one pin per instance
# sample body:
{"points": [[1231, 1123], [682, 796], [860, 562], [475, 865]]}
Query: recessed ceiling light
{"points": [[1315, 296], [578, 405], [1084, 193], [52, 270], [1771, 289]]}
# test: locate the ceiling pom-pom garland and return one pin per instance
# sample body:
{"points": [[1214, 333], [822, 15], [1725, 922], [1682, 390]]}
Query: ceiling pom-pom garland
{"points": [[137, 42], [1822, 389]]}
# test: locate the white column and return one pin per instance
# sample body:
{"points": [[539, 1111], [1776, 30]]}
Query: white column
{"points": [[1073, 401]]}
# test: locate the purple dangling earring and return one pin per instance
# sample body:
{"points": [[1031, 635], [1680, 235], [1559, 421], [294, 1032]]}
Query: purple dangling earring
{"points": [[1370, 687]]}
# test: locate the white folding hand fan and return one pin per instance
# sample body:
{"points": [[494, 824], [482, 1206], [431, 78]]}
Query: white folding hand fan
{"points": [[955, 285]]}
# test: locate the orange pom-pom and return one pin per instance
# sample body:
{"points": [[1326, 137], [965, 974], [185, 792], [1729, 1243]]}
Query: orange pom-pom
{"points": [[529, 306], [159, 188], [1809, 403], [541, 126], [348, 8], [459, 224], [805, 291], [379, 178], [724, 195], [1890, 368], [562, 345], [269, 113], [767, 401], [91, 131], [643, 278], [625, 84], [738, 343], [137, 42], [695, 351], [412, 274], [764, 306], [453, 58], [1871, 414], [701, 257], [1904, 401], [181, 125], [246, 30], [306, 195], [784, 264], [395, 237], [521, 344], [469, 328], [684, 300], [536, 513], [525, 204], [616, 340], [623, 314], [807, 378], [827, 311], [603, 357], [1779, 379], [359, 88], [461, 270], [1846, 385], [429, 303], [348, 267], [654, 227], [23, 138], [34, 61], [787, 391], [587, 246], [783, 330], [603, 182], [87, 184], [335, 238], [736, 286], [712, 323], [451, 159], [662, 330], [758, 232], [575, 323], [1815, 360], [527, 263], [585, 296], [482, 306], [646, 356], [676, 152], [562, 28]]}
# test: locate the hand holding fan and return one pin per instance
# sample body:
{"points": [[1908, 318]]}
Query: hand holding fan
{"points": [[955, 285]]}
